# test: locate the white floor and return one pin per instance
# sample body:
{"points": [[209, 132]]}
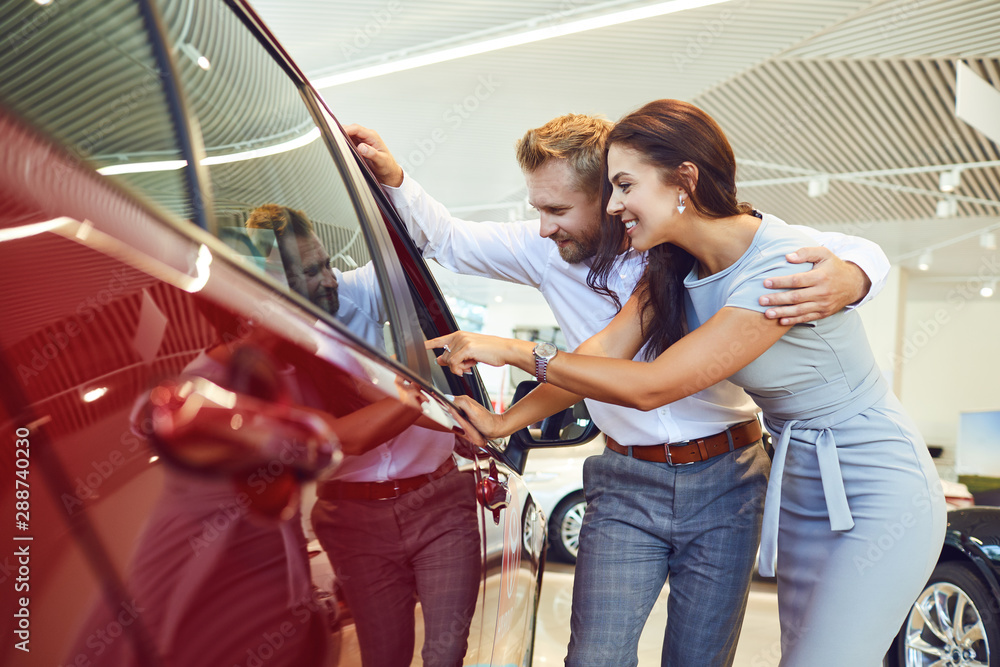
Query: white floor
{"points": [[758, 645]]}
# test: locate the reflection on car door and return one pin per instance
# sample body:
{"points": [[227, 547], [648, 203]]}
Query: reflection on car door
{"points": [[512, 530], [136, 341]]}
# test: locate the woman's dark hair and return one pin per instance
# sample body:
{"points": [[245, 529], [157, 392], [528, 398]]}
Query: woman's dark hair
{"points": [[667, 133]]}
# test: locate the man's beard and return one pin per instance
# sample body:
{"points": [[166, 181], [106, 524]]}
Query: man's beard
{"points": [[327, 298], [578, 249]]}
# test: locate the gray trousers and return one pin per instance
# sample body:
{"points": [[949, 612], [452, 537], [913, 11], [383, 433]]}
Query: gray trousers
{"points": [[699, 524], [388, 554]]}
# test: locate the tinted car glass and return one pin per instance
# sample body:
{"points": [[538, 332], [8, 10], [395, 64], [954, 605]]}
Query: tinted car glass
{"points": [[85, 73], [277, 196]]}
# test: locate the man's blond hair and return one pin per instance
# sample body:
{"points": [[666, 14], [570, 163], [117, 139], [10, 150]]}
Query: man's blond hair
{"points": [[577, 138], [279, 218]]}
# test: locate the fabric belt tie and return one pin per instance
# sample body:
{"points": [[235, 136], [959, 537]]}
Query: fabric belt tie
{"points": [[833, 491], [872, 389]]}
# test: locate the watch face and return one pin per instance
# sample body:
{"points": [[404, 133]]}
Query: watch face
{"points": [[545, 350]]}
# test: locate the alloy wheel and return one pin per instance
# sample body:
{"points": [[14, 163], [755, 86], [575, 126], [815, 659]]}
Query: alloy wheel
{"points": [[569, 530], [945, 629]]}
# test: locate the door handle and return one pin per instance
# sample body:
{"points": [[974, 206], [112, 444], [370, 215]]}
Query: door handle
{"points": [[493, 493], [207, 429]]}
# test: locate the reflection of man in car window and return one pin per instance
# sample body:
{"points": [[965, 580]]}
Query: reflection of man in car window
{"points": [[352, 296], [306, 262], [399, 520]]}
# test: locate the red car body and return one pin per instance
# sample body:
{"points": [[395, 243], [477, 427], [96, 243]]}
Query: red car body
{"points": [[167, 397]]}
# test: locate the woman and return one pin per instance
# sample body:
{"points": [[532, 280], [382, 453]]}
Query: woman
{"points": [[861, 512]]}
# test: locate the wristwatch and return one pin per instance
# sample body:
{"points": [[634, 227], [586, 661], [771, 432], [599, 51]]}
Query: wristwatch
{"points": [[543, 352]]}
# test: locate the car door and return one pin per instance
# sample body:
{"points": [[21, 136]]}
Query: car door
{"points": [[147, 546], [512, 528]]}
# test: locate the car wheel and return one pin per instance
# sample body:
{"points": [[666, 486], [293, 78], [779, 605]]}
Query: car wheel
{"points": [[564, 527], [952, 623]]}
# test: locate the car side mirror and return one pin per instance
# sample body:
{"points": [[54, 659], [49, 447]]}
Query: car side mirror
{"points": [[572, 426]]}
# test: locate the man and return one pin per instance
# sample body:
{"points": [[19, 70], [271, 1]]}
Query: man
{"points": [[397, 519], [646, 518], [353, 297]]}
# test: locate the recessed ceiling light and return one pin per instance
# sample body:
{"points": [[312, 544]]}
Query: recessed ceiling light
{"points": [[819, 186], [195, 56], [94, 394], [946, 208], [924, 261], [168, 165], [950, 180]]}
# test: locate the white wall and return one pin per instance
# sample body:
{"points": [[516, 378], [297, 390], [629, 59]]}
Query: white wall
{"points": [[950, 362], [528, 309], [882, 317]]}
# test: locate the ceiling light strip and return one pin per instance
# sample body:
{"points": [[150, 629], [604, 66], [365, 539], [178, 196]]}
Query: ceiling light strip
{"points": [[298, 142], [811, 173], [515, 39], [170, 165]]}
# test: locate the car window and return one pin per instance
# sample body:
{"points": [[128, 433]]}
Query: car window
{"points": [[433, 315], [85, 73], [278, 198]]}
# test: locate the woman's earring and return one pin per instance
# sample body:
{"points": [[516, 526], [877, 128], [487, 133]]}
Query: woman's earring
{"points": [[680, 203]]}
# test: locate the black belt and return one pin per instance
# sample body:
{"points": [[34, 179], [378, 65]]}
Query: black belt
{"points": [[387, 490]]}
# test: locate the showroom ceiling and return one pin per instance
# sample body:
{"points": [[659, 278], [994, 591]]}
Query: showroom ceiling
{"points": [[858, 96]]}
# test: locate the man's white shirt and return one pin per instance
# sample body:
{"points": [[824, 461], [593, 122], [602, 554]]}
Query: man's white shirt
{"points": [[415, 451], [515, 252]]}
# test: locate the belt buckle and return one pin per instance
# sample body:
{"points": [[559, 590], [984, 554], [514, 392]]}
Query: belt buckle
{"points": [[670, 458], [395, 488]]}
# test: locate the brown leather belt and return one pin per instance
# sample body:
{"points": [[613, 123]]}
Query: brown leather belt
{"points": [[693, 451], [387, 490]]}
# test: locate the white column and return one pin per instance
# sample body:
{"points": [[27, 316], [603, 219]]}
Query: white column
{"points": [[884, 319]]}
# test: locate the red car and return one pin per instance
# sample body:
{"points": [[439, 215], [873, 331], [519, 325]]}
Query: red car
{"points": [[210, 313]]}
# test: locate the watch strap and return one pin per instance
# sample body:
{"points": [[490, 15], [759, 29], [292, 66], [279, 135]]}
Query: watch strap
{"points": [[541, 366]]}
